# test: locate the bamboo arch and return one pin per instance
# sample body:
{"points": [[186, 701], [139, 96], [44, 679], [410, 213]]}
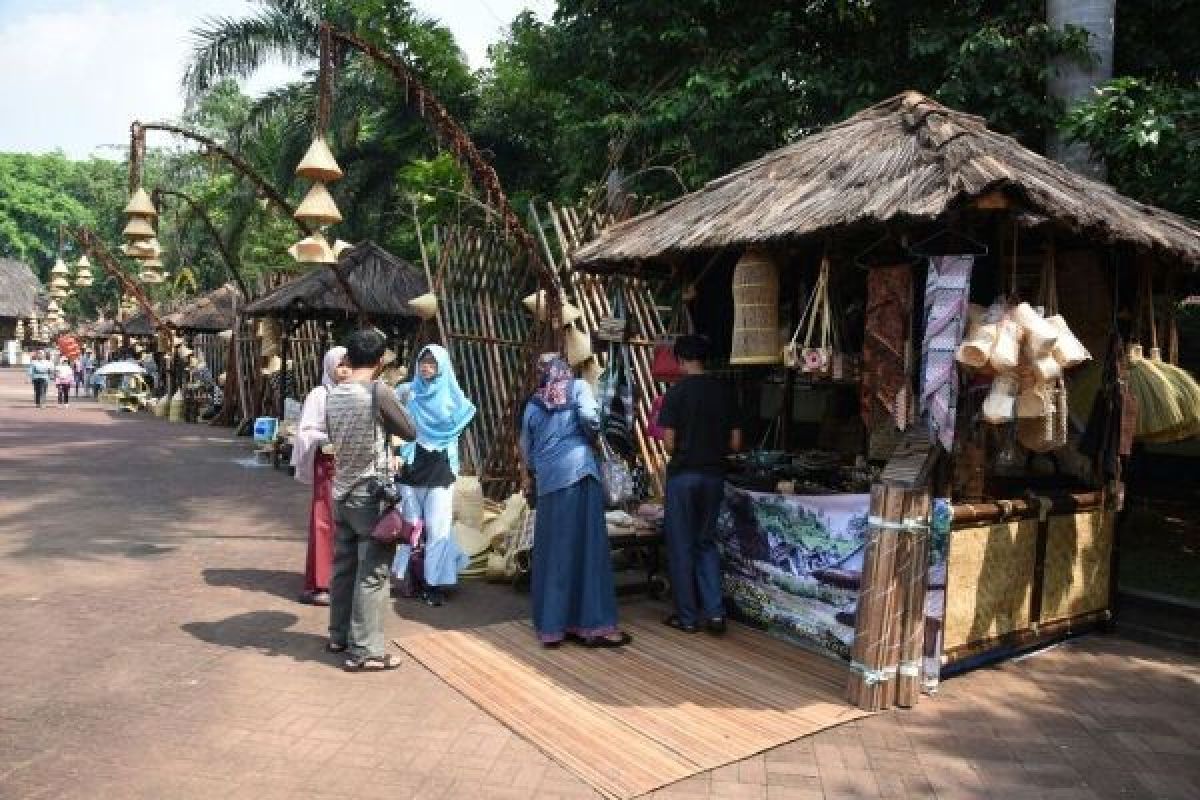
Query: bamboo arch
{"points": [[228, 257]]}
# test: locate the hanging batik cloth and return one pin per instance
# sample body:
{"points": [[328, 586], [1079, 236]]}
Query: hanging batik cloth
{"points": [[946, 290], [884, 391]]}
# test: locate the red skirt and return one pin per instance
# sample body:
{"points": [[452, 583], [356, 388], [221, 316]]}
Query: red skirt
{"points": [[319, 565]]}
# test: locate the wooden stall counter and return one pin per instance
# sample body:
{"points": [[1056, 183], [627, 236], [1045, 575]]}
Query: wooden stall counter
{"points": [[1025, 572]]}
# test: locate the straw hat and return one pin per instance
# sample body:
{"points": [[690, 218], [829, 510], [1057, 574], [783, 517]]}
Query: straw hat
{"points": [[312, 250], [538, 305], [318, 207], [578, 346], [318, 163], [425, 306], [138, 228], [273, 365], [140, 204], [470, 540]]}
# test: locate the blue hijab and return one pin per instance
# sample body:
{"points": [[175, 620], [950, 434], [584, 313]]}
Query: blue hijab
{"points": [[438, 407]]}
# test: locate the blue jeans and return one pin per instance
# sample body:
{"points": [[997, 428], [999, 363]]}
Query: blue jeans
{"points": [[690, 525]]}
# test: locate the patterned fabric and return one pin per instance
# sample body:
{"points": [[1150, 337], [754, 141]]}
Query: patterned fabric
{"points": [[946, 289], [554, 382], [888, 330]]}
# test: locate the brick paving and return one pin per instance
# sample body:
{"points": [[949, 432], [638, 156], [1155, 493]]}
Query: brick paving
{"points": [[153, 649]]}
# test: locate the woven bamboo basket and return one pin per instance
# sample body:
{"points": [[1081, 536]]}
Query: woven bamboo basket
{"points": [[756, 311]]}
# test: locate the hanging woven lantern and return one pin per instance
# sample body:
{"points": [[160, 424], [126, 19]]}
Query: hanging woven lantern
{"points": [[83, 262], [425, 306], [59, 282], [318, 163], [140, 204], [147, 248], [138, 228], [313, 250], [340, 246], [150, 276], [755, 310], [84, 279], [52, 307], [318, 207], [56, 293], [60, 267]]}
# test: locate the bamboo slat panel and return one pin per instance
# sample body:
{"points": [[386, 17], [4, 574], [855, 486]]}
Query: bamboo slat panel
{"points": [[665, 708], [1078, 564], [989, 581]]}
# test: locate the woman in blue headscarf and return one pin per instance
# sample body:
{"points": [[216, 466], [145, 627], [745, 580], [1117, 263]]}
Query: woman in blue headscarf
{"points": [[440, 412], [572, 591]]}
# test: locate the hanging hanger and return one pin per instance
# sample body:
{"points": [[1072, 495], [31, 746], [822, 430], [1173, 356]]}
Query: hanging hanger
{"points": [[981, 249], [878, 243]]}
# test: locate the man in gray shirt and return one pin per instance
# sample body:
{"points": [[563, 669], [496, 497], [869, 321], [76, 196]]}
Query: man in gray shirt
{"points": [[359, 415]]}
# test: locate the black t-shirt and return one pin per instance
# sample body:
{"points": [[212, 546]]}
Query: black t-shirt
{"points": [[702, 410]]}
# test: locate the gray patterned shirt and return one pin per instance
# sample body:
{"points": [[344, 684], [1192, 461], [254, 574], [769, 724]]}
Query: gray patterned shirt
{"points": [[360, 441]]}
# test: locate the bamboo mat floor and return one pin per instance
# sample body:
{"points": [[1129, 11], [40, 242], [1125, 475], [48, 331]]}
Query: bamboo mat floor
{"points": [[633, 720]]}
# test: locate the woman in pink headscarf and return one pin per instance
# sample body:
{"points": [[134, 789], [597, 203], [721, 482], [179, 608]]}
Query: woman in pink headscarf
{"points": [[315, 466]]}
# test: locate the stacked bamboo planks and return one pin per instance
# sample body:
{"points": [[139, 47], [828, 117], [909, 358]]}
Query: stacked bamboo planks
{"points": [[890, 623]]}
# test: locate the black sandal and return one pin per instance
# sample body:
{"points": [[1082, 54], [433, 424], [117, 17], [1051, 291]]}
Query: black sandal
{"points": [[602, 641], [673, 621], [335, 647]]}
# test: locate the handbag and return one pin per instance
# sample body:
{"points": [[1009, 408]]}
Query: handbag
{"points": [[815, 356], [616, 477]]}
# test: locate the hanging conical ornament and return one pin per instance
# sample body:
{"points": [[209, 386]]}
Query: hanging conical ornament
{"points": [[59, 282], [147, 248], [141, 204], [138, 228], [52, 307], [313, 250], [318, 163], [318, 207], [60, 268], [83, 262], [84, 278], [58, 294], [150, 276]]}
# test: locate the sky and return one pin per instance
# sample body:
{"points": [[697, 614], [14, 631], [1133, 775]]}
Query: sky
{"points": [[75, 73]]}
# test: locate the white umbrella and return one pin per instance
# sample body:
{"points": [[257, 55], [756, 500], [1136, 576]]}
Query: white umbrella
{"points": [[121, 368]]}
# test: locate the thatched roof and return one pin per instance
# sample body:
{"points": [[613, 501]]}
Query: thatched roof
{"points": [[19, 289], [380, 281], [905, 159], [138, 325], [98, 329], [210, 312]]}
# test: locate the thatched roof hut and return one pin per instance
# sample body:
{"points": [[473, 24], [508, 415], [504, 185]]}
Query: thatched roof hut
{"points": [[138, 325], [210, 312], [380, 281], [19, 289], [906, 160]]}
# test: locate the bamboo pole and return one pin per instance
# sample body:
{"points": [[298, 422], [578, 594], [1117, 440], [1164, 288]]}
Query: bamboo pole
{"points": [[915, 584]]}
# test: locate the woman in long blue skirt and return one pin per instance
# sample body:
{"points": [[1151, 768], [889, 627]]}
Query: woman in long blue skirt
{"points": [[572, 589]]}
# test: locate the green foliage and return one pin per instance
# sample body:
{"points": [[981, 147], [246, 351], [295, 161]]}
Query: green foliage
{"points": [[1149, 135]]}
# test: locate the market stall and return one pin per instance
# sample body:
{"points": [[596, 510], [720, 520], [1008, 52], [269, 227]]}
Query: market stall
{"points": [[928, 326], [286, 364], [205, 327]]}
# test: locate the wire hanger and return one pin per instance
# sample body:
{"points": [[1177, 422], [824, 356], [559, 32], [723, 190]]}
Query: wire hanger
{"points": [[981, 249], [878, 243]]}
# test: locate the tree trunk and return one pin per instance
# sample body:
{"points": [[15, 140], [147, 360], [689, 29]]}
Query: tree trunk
{"points": [[1072, 81]]}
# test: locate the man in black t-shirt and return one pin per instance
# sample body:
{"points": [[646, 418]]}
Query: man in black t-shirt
{"points": [[699, 418]]}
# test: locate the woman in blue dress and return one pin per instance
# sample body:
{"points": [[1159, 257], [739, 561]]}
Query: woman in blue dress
{"points": [[572, 583]]}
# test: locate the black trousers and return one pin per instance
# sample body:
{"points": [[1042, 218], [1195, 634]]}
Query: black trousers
{"points": [[39, 390], [64, 393]]}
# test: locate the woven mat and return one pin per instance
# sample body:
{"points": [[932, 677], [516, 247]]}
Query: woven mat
{"points": [[633, 720]]}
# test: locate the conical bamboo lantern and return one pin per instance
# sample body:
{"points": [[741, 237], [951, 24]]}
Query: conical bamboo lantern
{"points": [[84, 279], [313, 250], [319, 164], [151, 276], [138, 228], [52, 307], [146, 248], [57, 294], [425, 306], [60, 268], [140, 204], [340, 246], [578, 346], [83, 262], [318, 207], [59, 282], [755, 310]]}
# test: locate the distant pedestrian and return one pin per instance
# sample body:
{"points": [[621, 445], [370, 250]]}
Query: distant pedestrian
{"points": [[315, 466], [80, 377], [361, 412], [41, 373], [64, 379], [97, 380]]}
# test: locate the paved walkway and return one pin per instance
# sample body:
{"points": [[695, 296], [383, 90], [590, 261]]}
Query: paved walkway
{"points": [[152, 648]]}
